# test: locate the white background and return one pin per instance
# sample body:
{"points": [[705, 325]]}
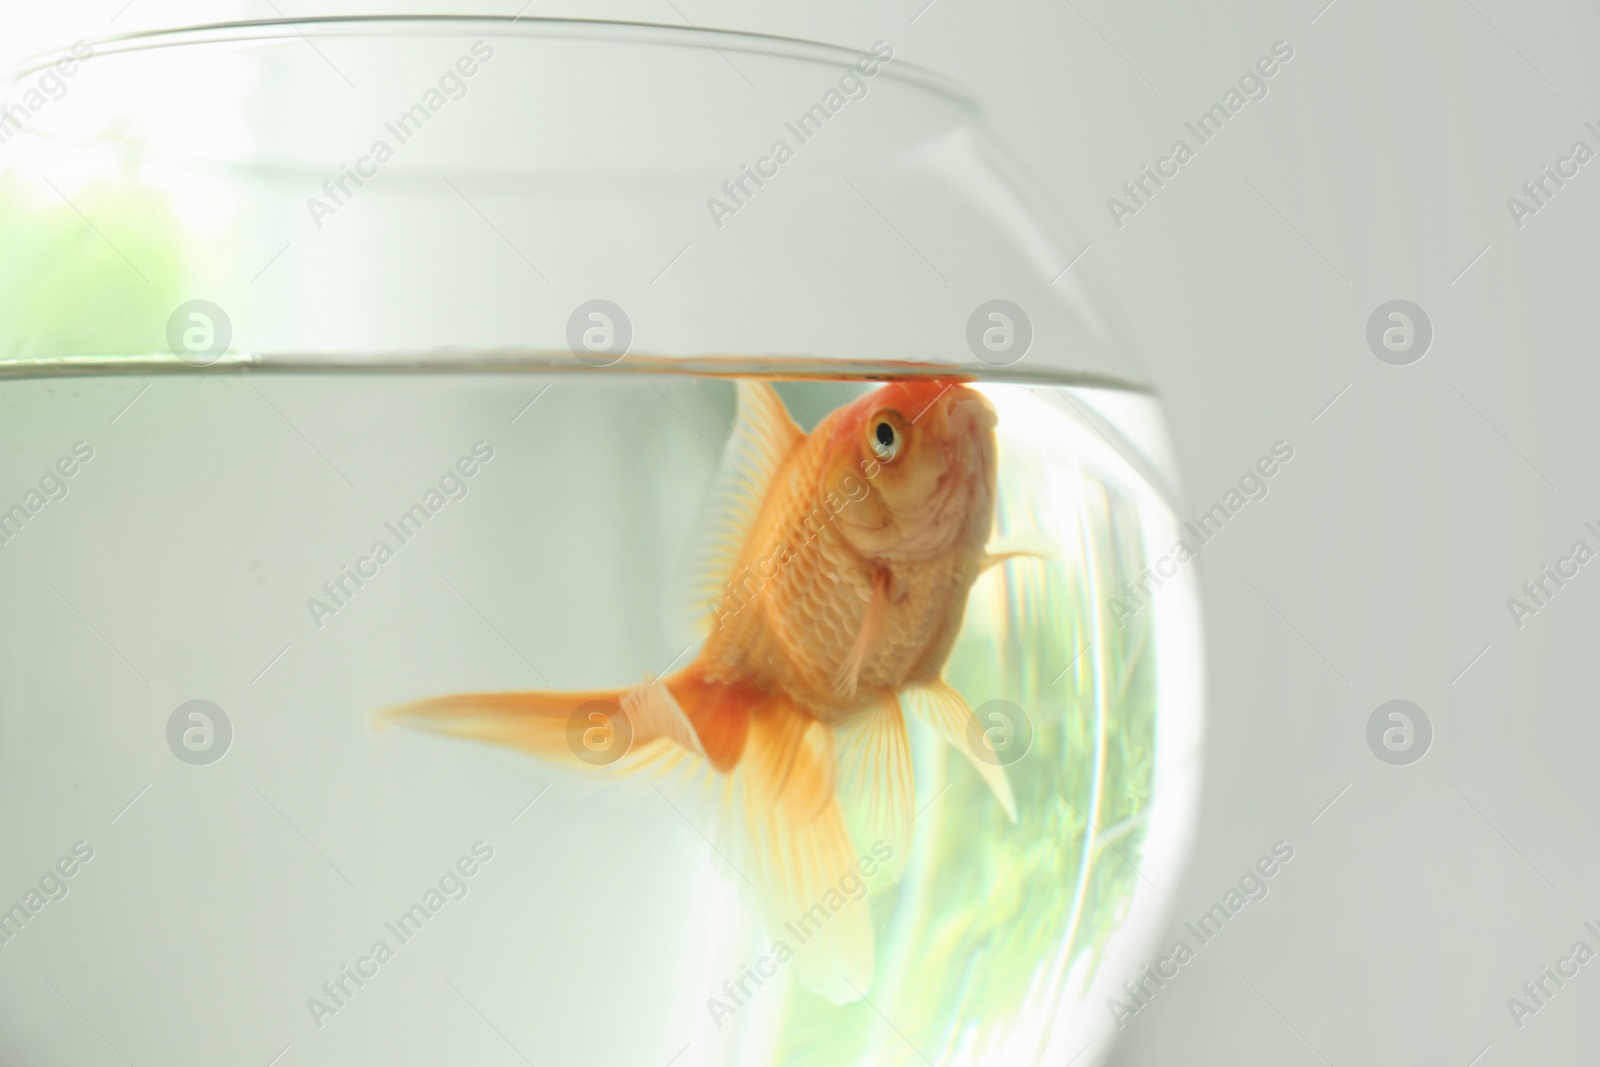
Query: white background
{"points": [[1378, 167]]}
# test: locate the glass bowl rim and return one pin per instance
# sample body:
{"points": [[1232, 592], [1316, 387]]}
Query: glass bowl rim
{"points": [[621, 31]]}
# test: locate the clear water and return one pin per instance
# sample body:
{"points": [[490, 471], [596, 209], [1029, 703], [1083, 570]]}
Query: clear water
{"points": [[189, 556]]}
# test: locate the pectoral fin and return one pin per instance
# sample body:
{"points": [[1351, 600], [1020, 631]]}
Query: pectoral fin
{"points": [[872, 621], [999, 554], [944, 709]]}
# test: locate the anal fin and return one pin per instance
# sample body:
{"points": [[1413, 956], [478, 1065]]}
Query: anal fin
{"points": [[798, 852], [876, 785]]}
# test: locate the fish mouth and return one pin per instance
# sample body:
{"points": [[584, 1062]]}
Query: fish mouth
{"points": [[972, 414], [974, 420], [970, 421], [963, 494]]}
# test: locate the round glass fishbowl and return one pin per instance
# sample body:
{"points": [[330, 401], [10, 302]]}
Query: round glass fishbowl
{"points": [[703, 447]]}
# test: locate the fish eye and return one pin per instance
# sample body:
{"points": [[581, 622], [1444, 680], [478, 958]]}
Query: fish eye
{"points": [[885, 437]]}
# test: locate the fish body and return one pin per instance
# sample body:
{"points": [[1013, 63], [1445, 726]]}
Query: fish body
{"points": [[834, 581], [853, 579]]}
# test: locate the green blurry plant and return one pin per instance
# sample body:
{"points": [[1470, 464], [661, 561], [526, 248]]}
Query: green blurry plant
{"points": [[96, 276], [1005, 907]]}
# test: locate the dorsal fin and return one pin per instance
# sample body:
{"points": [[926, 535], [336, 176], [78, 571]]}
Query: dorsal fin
{"points": [[763, 436]]}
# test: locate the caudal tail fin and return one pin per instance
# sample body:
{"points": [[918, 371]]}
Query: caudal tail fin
{"points": [[779, 813], [597, 728]]}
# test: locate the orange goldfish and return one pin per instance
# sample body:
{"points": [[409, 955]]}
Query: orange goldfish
{"points": [[837, 578]]}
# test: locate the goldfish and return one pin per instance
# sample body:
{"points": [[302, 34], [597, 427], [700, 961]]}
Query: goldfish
{"points": [[835, 578]]}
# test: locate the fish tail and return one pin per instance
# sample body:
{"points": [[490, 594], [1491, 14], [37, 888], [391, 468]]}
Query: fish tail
{"points": [[598, 728], [788, 830]]}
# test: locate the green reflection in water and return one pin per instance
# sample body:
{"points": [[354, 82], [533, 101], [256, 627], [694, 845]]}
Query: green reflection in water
{"points": [[990, 917], [96, 276]]}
